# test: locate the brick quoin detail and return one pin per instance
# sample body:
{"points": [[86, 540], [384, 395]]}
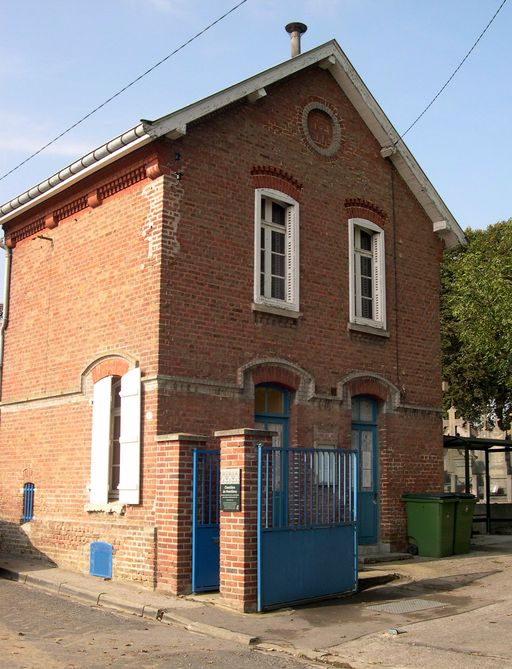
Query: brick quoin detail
{"points": [[358, 208], [271, 374], [113, 367], [273, 177]]}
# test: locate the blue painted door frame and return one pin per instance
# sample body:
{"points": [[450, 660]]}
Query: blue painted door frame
{"points": [[267, 419], [365, 442]]}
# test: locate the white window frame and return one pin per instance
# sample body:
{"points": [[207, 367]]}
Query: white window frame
{"points": [[378, 275], [129, 474], [291, 300]]}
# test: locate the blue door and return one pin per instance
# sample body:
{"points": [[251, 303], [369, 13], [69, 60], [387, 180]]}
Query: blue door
{"points": [[205, 520], [365, 442], [272, 403]]}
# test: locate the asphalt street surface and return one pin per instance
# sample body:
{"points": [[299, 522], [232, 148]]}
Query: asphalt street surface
{"points": [[45, 631]]}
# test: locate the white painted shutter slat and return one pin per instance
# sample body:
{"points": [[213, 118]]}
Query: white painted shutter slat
{"points": [[376, 278], [292, 256], [100, 450], [129, 478]]}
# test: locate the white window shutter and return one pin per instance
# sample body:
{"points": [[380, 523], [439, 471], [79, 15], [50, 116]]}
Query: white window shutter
{"points": [[100, 451], [352, 270], [257, 246], [379, 255], [292, 256], [377, 288], [129, 478]]}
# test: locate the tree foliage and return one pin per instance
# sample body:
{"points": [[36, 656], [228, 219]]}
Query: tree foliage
{"points": [[476, 319]]}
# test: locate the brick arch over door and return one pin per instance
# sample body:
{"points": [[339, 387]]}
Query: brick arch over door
{"points": [[280, 372], [371, 385]]}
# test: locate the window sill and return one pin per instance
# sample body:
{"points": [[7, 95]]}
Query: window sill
{"points": [[368, 329], [276, 311], [111, 507]]}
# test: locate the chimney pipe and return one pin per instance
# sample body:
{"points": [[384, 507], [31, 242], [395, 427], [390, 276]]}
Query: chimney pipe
{"points": [[296, 30]]}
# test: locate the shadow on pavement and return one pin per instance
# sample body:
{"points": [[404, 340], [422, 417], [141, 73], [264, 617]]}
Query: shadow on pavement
{"points": [[15, 543]]}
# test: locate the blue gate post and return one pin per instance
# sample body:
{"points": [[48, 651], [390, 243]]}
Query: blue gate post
{"points": [[173, 510], [238, 529]]}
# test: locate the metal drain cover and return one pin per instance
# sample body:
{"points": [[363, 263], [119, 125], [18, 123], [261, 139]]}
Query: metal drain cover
{"points": [[407, 606]]}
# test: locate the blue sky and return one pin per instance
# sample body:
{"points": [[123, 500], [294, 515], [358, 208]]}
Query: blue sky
{"points": [[59, 59]]}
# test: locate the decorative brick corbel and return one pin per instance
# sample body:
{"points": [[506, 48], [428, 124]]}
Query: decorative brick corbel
{"points": [[94, 199], [51, 221], [154, 168]]}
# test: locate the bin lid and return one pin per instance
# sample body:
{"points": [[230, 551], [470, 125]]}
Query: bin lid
{"points": [[464, 495], [428, 496]]}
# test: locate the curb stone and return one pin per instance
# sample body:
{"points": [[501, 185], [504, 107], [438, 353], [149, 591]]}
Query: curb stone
{"points": [[120, 605], [209, 630], [72, 591]]}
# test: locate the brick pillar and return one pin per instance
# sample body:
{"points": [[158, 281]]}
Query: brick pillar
{"points": [[238, 529], [173, 510]]}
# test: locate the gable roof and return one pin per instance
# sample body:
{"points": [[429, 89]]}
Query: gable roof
{"points": [[328, 56]]}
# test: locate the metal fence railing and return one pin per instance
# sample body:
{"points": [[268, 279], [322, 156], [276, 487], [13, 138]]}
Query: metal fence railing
{"points": [[302, 488], [206, 487]]}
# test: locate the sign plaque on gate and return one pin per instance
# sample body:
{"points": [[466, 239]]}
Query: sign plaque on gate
{"points": [[230, 489]]}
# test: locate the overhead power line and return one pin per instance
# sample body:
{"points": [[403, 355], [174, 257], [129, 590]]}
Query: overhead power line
{"points": [[453, 74], [122, 90]]}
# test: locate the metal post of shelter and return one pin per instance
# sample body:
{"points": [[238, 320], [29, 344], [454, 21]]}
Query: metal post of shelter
{"points": [[467, 472], [487, 493]]}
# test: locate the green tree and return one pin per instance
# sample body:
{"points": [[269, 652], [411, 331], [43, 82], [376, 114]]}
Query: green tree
{"points": [[476, 319]]}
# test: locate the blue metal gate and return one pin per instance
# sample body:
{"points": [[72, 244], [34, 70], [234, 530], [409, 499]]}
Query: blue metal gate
{"points": [[205, 520], [309, 549]]}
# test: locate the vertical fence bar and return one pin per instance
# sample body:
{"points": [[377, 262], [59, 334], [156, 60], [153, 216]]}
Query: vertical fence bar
{"points": [[266, 486], [293, 520], [194, 517], [304, 490], [354, 487], [259, 523], [311, 476], [333, 491]]}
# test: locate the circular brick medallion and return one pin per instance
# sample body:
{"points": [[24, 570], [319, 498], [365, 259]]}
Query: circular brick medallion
{"points": [[321, 128]]}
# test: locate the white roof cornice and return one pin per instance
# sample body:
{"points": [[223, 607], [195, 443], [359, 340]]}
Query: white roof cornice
{"points": [[329, 56]]}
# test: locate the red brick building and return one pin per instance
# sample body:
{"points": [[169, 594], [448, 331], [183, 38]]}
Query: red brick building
{"points": [[267, 257]]}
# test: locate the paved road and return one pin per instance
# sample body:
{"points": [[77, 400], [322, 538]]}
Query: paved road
{"points": [[45, 631]]}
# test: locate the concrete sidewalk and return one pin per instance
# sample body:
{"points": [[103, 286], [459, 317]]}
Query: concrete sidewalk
{"points": [[436, 613]]}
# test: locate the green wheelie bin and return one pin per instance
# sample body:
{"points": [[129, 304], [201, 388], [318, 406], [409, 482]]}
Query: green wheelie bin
{"points": [[463, 522], [431, 522]]}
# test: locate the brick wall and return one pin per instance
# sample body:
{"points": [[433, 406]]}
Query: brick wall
{"points": [[210, 279]]}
